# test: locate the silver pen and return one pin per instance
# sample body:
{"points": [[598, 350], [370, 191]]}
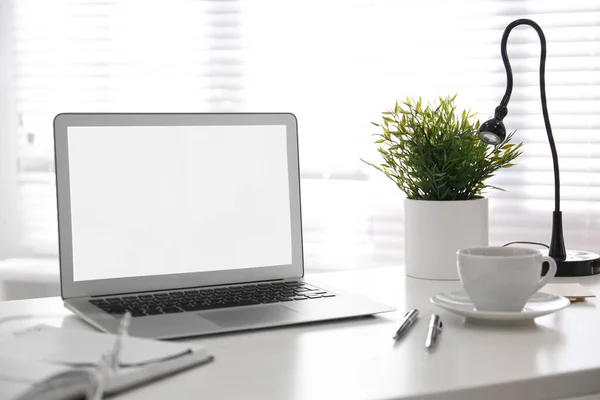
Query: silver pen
{"points": [[433, 334], [122, 332], [408, 320]]}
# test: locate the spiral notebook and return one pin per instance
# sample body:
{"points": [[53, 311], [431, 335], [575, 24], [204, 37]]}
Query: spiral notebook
{"points": [[48, 363]]}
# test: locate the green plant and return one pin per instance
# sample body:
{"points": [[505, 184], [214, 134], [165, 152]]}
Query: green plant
{"points": [[433, 153]]}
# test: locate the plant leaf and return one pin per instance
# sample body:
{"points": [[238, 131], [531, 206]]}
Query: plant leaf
{"points": [[432, 151]]}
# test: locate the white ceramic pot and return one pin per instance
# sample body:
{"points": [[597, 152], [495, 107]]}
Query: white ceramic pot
{"points": [[435, 230]]}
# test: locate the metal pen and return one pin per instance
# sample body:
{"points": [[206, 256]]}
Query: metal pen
{"points": [[408, 320], [122, 332], [109, 363], [434, 331]]}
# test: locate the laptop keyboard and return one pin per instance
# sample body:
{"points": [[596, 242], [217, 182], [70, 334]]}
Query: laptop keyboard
{"points": [[210, 298]]}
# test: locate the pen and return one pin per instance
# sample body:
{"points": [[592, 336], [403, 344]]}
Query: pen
{"points": [[115, 355], [408, 320], [435, 329]]}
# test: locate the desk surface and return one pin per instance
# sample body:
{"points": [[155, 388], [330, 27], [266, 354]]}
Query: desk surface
{"points": [[558, 357]]}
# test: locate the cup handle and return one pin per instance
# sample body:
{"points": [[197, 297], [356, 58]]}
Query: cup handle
{"points": [[550, 274]]}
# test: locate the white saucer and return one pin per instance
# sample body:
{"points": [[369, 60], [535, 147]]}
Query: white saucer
{"points": [[539, 304]]}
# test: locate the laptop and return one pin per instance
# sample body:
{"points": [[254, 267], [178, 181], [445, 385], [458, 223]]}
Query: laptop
{"points": [[189, 222]]}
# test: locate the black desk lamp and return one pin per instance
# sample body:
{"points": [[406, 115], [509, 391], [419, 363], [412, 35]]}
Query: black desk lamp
{"points": [[572, 262]]}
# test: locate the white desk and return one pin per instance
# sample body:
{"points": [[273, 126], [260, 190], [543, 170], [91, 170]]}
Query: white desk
{"points": [[558, 357]]}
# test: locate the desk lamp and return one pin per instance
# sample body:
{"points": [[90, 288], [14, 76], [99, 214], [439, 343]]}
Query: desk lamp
{"points": [[493, 132]]}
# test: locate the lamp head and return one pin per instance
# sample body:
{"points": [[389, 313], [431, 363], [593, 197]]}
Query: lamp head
{"points": [[493, 131]]}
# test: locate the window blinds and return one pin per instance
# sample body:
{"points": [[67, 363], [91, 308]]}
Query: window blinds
{"points": [[119, 56], [336, 65], [353, 59]]}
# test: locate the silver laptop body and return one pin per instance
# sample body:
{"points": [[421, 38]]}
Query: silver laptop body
{"points": [[191, 222]]}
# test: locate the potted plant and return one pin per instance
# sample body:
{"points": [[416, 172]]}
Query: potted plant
{"points": [[434, 155]]}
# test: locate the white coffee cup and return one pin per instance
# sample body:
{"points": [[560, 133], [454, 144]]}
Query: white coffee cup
{"points": [[502, 278]]}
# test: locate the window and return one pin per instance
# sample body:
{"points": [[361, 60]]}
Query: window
{"points": [[78, 56], [336, 65]]}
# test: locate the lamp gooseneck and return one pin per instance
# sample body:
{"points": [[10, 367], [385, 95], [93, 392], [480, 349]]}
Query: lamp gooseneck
{"points": [[493, 131]]}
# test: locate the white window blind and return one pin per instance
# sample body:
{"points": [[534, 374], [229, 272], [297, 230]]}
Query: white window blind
{"points": [[345, 62], [336, 65], [119, 56]]}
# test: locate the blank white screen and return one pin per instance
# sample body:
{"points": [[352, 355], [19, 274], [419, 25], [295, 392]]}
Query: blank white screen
{"points": [[177, 199]]}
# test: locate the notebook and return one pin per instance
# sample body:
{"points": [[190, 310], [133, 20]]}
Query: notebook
{"points": [[49, 363], [575, 292]]}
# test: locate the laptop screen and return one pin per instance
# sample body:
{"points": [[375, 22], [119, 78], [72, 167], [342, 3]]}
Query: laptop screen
{"points": [[155, 200]]}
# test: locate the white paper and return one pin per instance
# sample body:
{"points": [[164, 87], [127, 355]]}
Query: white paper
{"points": [[26, 372], [78, 347], [17, 376], [10, 390]]}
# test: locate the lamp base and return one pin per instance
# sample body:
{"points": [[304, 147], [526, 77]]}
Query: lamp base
{"points": [[577, 263]]}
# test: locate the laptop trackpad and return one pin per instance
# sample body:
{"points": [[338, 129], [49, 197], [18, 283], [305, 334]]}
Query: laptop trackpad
{"points": [[264, 315]]}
